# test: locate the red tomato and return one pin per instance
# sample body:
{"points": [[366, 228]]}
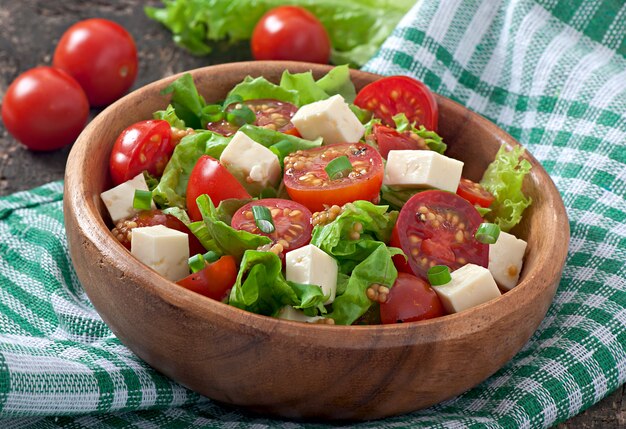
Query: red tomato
{"points": [[151, 218], [409, 300], [145, 145], [213, 281], [290, 33], [308, 183], [389, 139], [45, 108], [292, 222], [474, 193], [273, 114], [210, 177], [101, 55], [437, 228], [391, 95]]}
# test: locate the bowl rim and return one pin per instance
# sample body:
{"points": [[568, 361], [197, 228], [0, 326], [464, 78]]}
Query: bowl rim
{"points": [[83, 204]]}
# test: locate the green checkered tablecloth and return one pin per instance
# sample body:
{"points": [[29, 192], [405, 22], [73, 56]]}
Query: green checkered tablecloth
{"points": [[552, 73]]}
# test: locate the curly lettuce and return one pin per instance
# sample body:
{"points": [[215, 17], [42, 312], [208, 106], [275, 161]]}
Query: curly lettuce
{"points": [[356, 28], [504, 178]]}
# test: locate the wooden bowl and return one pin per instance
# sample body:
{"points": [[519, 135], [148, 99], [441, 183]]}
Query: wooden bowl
{"points": [[298, 370]]}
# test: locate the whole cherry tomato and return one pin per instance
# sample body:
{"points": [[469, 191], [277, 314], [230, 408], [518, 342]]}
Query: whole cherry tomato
{"points": [[215, 280], [45, 108], [212, 178], [145, 145], [410, 299], [101, 55], [290, 33]]}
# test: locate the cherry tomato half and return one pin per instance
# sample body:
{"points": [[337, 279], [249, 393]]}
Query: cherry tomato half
{"points": [[45, 109], [145, 145], [101, 55], [391, 95], [292, 222], [308, 183], [212, 178], [437, 228], [215, 280], [290, 33], [474, 193], [272, 114], [150, 218], [410, 299], [389, 139]]}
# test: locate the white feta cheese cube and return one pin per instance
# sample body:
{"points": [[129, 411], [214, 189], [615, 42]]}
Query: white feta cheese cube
{"points": [[255, 166], [163, 249], [330, 119], [422, 169], [312, 265], [471, 285], [290, 313], [506, 257], [119, 200]]}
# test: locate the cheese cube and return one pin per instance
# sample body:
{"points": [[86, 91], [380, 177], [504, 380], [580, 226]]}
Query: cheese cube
{"points": [[311, 265], [290, 313], [506, 257], [470, 286], [422, 169], [255, 166], [163, 249], [330, 119], [119, 200]]}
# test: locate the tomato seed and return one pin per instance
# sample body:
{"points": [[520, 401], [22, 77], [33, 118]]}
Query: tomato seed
{"points": [[459, 236], [295, 213], [249, 215], [274, 212]]}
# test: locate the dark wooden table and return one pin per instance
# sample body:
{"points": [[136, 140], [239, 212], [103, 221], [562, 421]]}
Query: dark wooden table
{"points": [[30, 31]]}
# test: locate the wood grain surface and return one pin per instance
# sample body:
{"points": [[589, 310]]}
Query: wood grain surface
{"points": [[30, 30]]}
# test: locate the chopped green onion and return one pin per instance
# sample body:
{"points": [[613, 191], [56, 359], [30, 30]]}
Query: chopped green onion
{"points": [[142, 200], [487, 233], [263, 219], [439, 275], [196, 263], [283, 148], [210, 256], [240, 117], [338, 168], [212, 113], [234, 98]]}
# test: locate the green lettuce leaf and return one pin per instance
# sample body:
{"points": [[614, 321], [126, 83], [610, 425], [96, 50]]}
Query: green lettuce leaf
{"points": [[504, 178], [172, 188], [261, 288], [356, 28], [304, 84], [377, 267], [259, 87], [337, 81], [396, 198], [221, 237], [186, 101], [169, 115]]}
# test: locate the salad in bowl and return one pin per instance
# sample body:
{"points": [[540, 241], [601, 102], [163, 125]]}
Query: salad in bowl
{"points": [[309, 201]]}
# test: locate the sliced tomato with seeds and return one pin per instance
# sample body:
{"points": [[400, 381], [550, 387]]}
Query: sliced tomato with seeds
{"points": [[292, 222], [122, 230], [215, 280], [392, 95], [273, 114], [308, 183], [437, 228], [410, 299], [475, 193], [388, 138]]}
